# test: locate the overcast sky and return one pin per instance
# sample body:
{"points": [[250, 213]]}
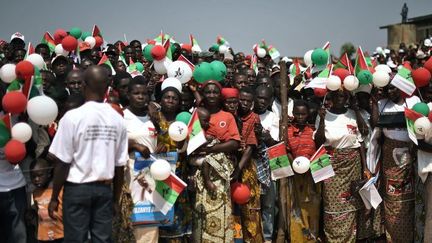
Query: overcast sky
{"points": [[292, 26]]}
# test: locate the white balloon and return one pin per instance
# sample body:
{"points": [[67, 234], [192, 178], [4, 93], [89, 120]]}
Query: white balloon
{"points": [[91, 41], [37, 60], [160, 169], [261, 52], [351, 82], [223, 49], [333, 83], [60, 51], [308, 58], [178, 131], [161, 66], [172, 82], [301, 164], [383, 67], [42, 110], [422, 125], [380, 78], [180, 70], [196, 49], [21, 132], [379, 49], [7, 73], [427, 42]]}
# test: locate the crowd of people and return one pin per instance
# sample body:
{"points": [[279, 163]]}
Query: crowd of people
{"points": [[78, 181]]}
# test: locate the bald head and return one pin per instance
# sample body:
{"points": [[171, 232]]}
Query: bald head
{"points": [[96, 81]]}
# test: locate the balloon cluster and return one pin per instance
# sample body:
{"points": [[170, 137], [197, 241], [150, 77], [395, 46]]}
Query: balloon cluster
{"points": [[68, 41], [216, 70], [422, 124], [42, 110]]}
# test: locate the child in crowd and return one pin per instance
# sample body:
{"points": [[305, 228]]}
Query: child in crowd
{"points": [[49, 229]]}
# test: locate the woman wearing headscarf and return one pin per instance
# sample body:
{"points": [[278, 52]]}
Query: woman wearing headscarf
{"points": [[212, 211], [338, 131], [163, 117]]}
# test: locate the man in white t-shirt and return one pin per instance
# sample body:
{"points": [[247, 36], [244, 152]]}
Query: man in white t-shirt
{"points": [[90, 151]]}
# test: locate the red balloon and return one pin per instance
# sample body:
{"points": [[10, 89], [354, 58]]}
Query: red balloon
{"points": [[24, 70], [428, 64], [59, 34], [14, 102], [99, 41], [240, 193], [186, 47], [320, 92], [430, 116], [158, 52], [14, 151], [69, 43], [421, 77], [341, 73]]}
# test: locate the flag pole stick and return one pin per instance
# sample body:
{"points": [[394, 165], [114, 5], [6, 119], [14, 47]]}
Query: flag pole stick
{"points": [[284, 200]]}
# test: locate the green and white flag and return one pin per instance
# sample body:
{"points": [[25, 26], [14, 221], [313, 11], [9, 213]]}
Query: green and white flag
{"points": [[166, 193], [280, 165], [403, 81], [196, 133], [320, 166]]}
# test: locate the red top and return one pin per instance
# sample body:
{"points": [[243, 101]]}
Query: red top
{"points": [[223, 127], [301, 143], [248, 132]]}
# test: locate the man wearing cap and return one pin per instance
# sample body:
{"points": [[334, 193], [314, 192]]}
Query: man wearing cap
{"points": [[17, 41], [60, 67], [90, 151]]}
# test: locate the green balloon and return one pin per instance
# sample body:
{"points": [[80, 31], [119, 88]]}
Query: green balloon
{"points": [[203, 72], [4, 135], [319, 57], [214, 48], [365, 77], [85, 34], [421, 108], [147, 52], [219, 70], [75, 32], [139, 66], [184, 117]]}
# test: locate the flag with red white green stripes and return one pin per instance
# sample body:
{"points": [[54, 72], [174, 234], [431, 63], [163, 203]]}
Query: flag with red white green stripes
{"points": [[49, 40], [105, 60], [166, 193], [403, 81], [321, 80], [410, 117], [167, 46], [280, 165], [30, 50], [96, 31], [194, 43], [320, 166], [360, 62], [196, 133], [345, 62]]}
